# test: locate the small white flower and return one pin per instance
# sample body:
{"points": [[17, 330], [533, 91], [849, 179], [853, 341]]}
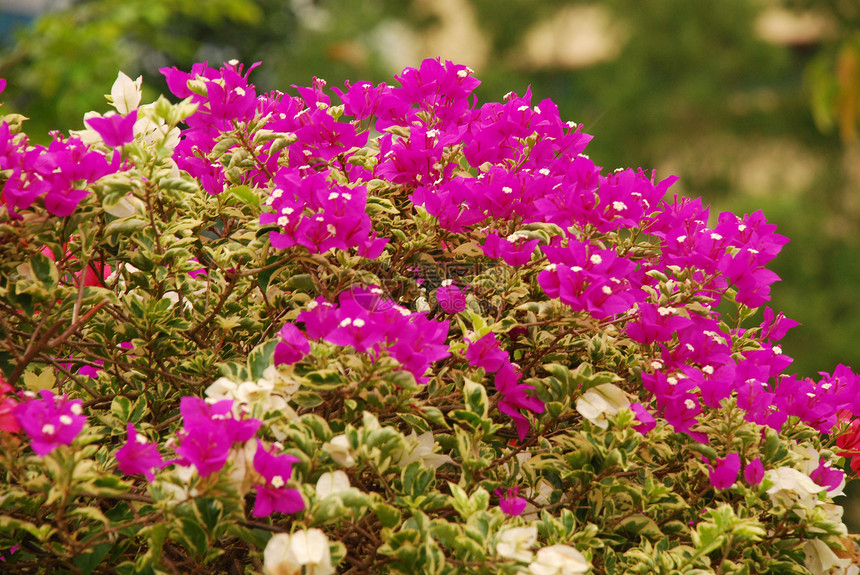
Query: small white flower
{"points": [[596, 259], [559, 560], [332, 482], [250, 392], [126, 93], [48, 429], [340, 450], [516, 543], [420, 448], [65, 420], [791, 487], [601, 402], [821, 560], [222, 388], [287, 554]]}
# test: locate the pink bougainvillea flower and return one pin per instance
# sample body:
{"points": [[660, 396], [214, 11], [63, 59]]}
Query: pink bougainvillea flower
{"points": [[775, 326], [50, 421], [849, 444], [826, 476], [8, 422], [724, 472], [509, 502], [451, 298], [754, 472], [485, 352], [515, 250], [138, 455], [209, 433], [646, 420], [515, 398], [115, 130], [12, 549], [273, 496], [293, 345]]}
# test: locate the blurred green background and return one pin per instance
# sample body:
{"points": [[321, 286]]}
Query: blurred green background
{"points": [[754, 103]]}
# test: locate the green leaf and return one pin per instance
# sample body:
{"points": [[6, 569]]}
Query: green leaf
{"points": [[126, 226], [260, 358], [121, 408], [307, 399], [210, 511], [88, 562], [417, 479], [44, 271], [234, 371], [329, 509], [193, 536], [45, 380], [388, 515], [475, 396], [245, 195], [435, 416], [641, 525], [324, 379]]}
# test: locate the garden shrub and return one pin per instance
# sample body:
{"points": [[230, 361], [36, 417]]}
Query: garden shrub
{"points": [[403, 333]]}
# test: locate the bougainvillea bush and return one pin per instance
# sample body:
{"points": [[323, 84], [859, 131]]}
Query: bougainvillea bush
{"points": [[385, 329]]}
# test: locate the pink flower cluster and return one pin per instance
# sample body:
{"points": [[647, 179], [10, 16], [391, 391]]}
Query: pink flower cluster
{"points": [[50, 421], [58, 174], [367, 322], [514, 396], [208, 436], [319, 214], [520, 165]]}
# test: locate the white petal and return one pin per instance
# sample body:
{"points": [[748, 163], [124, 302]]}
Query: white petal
{"points": [[332, 482], [126, 93]]}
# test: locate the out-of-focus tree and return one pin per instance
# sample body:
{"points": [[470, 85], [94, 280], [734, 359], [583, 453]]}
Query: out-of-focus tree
{"points": [[58, 66], [834, 72]]}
